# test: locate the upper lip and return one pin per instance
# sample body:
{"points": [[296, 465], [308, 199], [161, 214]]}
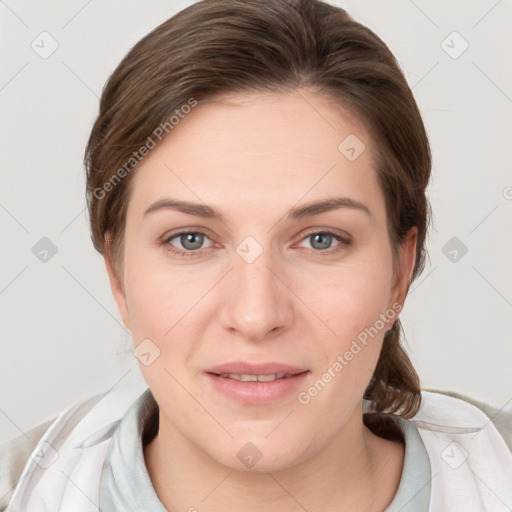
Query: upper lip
{"points": [[241, 367]]}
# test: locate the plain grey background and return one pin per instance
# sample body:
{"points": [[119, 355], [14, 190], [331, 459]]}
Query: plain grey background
{"points": [[62, 339]]}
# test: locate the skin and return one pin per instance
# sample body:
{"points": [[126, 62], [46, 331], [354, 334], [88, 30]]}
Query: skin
{"points": [[253, 157]]}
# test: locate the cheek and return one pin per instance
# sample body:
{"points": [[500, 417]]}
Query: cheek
{"points": [[350, 303], [168, 303], [346, 360], [349, 298], [149, 295], [162, 310], [156, 305]]}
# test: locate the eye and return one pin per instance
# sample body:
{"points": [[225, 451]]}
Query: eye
{"points": [[189, 242], [322, 241]]}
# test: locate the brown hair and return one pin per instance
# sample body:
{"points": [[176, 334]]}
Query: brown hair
{"points": [[217, 47]]}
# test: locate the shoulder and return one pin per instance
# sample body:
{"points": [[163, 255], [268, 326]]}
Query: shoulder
{"points": [[14, 454], [450, 406], [83, 424], [468, 448]]}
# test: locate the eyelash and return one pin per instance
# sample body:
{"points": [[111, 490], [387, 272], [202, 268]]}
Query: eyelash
{"points": [[343, 243]]}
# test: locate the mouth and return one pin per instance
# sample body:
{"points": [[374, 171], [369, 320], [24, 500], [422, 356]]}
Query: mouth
{"points": [[256, 384], [245, 377], [256, 369]]}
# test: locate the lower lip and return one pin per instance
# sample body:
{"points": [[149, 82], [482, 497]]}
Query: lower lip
{"points": [[258, 393]]}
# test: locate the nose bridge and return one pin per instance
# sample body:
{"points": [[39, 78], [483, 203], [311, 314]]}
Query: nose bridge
{"points": [[258, 301]]}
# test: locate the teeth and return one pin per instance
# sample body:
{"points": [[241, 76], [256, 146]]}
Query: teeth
{"points": [[268, 378], [254, 378]]}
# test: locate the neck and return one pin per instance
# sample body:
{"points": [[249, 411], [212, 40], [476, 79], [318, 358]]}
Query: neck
{"points": [[356, 471]]}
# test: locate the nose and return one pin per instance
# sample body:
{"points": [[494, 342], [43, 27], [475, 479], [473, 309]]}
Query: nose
{"points": [[257, 304]]}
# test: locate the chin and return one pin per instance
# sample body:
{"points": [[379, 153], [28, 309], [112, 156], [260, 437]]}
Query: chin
{"points": [[260, 455]]}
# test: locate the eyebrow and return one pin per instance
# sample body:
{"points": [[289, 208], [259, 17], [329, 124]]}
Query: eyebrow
{"points": [[308, 210]]}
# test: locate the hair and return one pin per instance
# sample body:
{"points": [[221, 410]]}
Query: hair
{"points": [[220, 47]]}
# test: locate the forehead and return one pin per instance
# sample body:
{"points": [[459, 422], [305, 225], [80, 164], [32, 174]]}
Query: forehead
{"points": [[261, 150]]}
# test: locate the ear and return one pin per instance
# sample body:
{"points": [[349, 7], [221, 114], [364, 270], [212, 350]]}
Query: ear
{"points": [[407, 259], [116, 284]]}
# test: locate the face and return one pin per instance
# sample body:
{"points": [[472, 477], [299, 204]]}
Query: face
{"points": [[260, 315]]}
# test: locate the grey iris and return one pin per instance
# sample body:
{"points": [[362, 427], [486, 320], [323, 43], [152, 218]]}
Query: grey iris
{"points": [[195, 240], [324, 240]]}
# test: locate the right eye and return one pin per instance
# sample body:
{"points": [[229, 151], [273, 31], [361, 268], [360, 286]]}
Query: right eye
{"points": [[190, 242]]}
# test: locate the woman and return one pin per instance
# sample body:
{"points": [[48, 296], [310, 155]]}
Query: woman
{"points": [[256, 184]]}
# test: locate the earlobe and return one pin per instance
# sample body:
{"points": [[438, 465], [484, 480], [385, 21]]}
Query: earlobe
{"points": [[116, 284]]}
